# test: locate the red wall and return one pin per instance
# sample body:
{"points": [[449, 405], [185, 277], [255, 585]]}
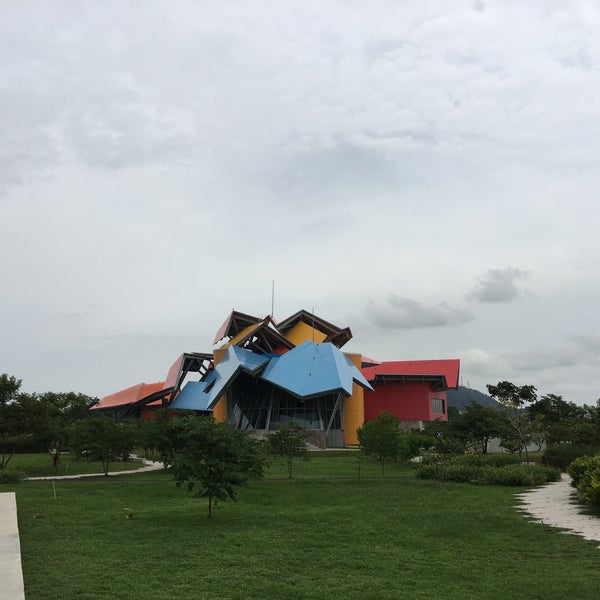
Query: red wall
{"points": [[406, 401]]}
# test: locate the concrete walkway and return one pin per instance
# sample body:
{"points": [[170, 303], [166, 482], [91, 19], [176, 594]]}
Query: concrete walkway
{"points": [[556, 504], [11, 573], [149, 466]]}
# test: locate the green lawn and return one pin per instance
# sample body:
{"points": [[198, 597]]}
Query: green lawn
{"points": [[40, 465], [329, 535]]}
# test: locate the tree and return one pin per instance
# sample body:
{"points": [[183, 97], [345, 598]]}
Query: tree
{"points": [[380, 439], [211, 458], [557, 420], [100, 438], [289, 443], [478, 424], [20, 416], [514, 400], [60, 410]]}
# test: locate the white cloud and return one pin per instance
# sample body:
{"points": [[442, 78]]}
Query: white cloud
{"points": [[399, 313], [160, 166]]}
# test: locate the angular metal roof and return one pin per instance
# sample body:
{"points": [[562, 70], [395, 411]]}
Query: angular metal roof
{"points": [[233, 324], [259, 337], [312, 369], [192, 397], [417, 370], [236, 359], [188, 362], [336, 335], [129, 395]]}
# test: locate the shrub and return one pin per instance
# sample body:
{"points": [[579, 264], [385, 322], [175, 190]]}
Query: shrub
{"points": [[585, 472], [562, 455], [485, 469], [489, 460]]}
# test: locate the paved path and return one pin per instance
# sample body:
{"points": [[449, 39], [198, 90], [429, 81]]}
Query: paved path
{"points": [[556, 504], [11, 574], [149, 466]]}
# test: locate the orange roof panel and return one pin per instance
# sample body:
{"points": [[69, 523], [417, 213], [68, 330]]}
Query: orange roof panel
{"points": [[129, 395]]}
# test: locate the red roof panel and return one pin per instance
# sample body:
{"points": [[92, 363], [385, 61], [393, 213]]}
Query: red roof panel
{"points": [[449, 368]]}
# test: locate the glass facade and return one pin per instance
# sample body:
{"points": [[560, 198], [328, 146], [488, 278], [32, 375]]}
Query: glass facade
{"points": [[260, 405]]}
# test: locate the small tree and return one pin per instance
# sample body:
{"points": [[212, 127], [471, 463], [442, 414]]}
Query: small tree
{"points": [[380, 439], [289, 443], [514, 400], [100, 438], [479, 424], [60, 410], [211, 458]]}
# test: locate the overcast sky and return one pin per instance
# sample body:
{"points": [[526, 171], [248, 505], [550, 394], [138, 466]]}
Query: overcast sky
{"points": [[425, 173]]}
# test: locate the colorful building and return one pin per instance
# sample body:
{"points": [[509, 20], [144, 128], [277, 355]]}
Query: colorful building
{"points": [[266, 374]]}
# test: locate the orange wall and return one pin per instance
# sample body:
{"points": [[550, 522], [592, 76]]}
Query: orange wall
{"points": [[301, 332], [354, 407], [220, 408]]}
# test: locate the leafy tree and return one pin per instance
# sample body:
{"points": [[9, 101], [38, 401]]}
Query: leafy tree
{"points": [[478, 424], [514, 400], [100, 438], [211, 458], [59, 411], [20, 417], [380, 439], [289, 443], [557, 420]]}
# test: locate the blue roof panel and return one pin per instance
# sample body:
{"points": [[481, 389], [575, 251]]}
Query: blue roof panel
{"points": [[236, 359], [192, 397], [313, 369]]}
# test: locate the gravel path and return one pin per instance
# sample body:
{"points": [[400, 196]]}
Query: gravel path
{"points": [[556, 504]]}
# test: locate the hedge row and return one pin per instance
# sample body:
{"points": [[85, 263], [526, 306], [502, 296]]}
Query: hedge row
{"points": [[486, 471], [474, 460], [562, 455], [585, 472]]}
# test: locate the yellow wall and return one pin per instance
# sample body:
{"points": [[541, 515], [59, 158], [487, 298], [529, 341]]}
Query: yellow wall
{"points": [[354, 407], [301, 332], [220, 408]]}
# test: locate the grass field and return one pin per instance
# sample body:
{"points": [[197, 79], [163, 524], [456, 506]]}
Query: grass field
{"points": [[323, 535], [40, 465]]}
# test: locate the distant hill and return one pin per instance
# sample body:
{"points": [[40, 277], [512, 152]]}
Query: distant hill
{"points": [[460, 397]]}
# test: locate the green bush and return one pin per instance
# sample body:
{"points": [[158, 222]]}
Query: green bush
{"points": [[488, 460], [525, 475], [562, 455], [9, 476], [484, 469], [585, 472]]}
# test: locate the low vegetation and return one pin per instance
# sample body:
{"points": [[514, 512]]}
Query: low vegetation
{"points": [[501, 469], [585, 473], [325, 534]]}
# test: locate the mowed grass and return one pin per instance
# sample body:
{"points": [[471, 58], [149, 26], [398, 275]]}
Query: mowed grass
{"points": [[40, 465], [326, 536]]}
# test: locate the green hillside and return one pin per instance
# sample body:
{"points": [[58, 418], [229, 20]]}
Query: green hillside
{"points": [[460, 397]]}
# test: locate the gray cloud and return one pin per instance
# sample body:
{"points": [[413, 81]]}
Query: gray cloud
{"points": [[498, 285], [399, 312]]}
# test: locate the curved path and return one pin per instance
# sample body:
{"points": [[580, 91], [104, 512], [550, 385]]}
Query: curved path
{"points": [[148, 466], [556, 504]]}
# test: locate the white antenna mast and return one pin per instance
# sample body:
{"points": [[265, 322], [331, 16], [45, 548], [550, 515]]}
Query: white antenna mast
{"points": [[273, 299]]}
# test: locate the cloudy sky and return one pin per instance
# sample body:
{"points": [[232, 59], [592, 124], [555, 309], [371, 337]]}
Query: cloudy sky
{"points": [[424, 172]]}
